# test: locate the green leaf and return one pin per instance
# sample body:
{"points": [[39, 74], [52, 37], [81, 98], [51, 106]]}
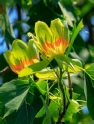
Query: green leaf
{"points": [[9, 38], [26, 114], [55, 106], [42, 12], [26, 2], [40, 113], [42, 86], [68, 64], [47, 73], [68, 14], [91, 50], [54, 109], [73, 108], [90, 71], [2, 121], [74, 35], [34, 68], [7, 3], [89, 93], [2, 21], [12, 95], [48, 117]]}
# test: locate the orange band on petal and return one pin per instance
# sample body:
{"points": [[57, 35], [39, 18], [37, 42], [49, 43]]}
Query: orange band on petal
{"points": [[57, 43], [56, 47], [23, 64]]}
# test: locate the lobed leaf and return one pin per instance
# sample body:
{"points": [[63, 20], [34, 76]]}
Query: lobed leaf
{"points": [[73, 108], [12, 95]]}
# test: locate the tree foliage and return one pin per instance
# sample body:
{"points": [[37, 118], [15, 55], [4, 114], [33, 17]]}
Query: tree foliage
{"points": [[47, 66]]}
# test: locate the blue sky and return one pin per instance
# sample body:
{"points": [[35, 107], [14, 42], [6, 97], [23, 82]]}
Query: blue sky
{"points": [[12, 18]]}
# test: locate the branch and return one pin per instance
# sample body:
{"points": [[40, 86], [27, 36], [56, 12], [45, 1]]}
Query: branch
{"points": [[5, 70]]}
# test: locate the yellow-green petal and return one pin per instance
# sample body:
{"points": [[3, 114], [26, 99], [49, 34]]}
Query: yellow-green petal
{"points": [[19, 50], [32, 50], [9, 58], [59, 29], [43, 32]]}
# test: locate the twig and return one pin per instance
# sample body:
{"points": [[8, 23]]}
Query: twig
{"points": [[5, 70], [62, 115], [64, 99], [70, 86]]}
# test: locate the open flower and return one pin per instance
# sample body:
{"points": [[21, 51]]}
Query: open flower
{"points": [[52, 40], [21, 55]]}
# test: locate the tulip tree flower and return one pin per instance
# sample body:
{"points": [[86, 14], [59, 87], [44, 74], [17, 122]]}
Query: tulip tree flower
{"points": [[21, 55], [52, 40]]}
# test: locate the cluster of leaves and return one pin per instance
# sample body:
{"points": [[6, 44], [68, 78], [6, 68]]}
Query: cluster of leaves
{"points": [[21, 94]]}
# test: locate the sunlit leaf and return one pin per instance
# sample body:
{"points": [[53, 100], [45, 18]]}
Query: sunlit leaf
{"points": [[69, 15], [75, 32], [68, 64], [54, 109], [46, 74], [73, 108], [42, 86], [40, 113]]}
